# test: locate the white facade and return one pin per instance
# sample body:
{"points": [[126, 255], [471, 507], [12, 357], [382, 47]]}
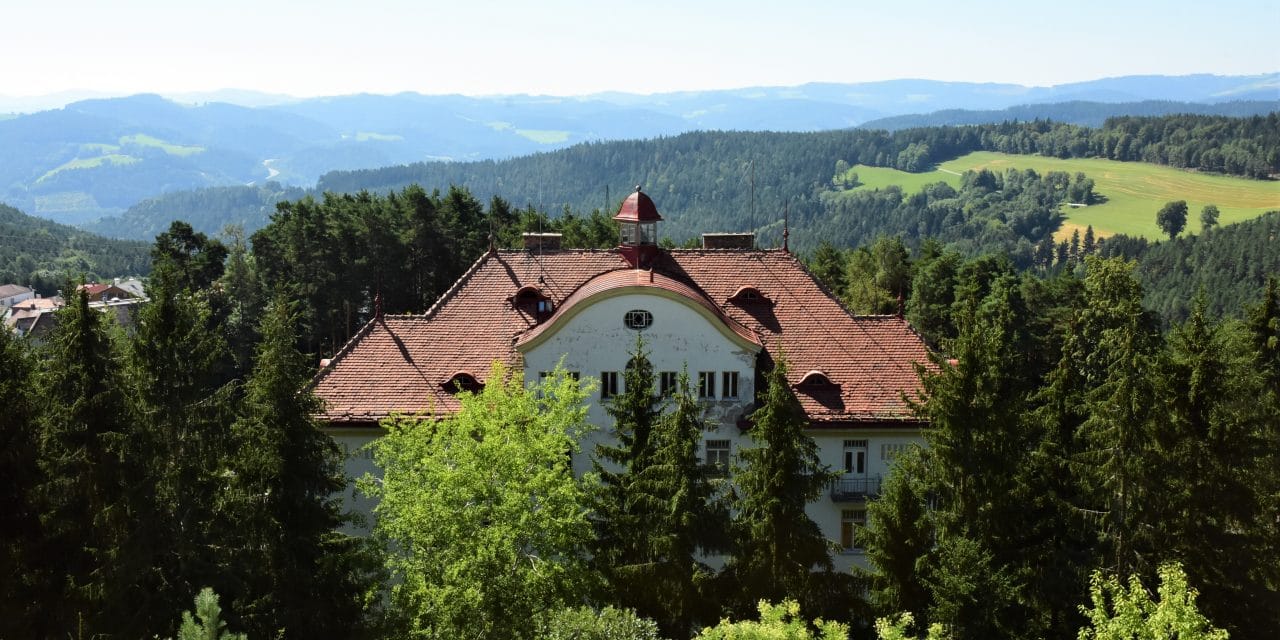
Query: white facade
{"points": [[597, 340]]}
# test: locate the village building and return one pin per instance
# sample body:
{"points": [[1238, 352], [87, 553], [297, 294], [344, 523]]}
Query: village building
{"points": [[11, 294], [723, 313]]}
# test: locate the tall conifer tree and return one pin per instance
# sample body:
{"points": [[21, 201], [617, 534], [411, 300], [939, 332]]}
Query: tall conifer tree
{"points": [[94, 491], [298, 575], [778, 547], [20, 531]]}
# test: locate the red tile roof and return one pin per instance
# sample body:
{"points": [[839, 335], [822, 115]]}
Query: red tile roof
{"points": [[396, 364]]}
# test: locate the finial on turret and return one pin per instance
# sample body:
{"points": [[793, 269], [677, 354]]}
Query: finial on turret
{"points": [[637, 188]]}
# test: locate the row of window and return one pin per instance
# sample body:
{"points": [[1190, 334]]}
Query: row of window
{"points": [[669, 380]]}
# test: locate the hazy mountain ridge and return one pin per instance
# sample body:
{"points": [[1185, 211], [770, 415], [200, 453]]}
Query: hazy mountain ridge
{"points": [[98, 157], [1088, 114]]}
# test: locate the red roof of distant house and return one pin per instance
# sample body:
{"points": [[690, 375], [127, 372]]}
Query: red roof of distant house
{"points": [[395, 364], [638, 207]]}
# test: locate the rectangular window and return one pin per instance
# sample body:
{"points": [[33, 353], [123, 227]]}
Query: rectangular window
{"points": [[608, 384], [850, 521], [542, 375], [718, 452], [576, 375], [706, 384], [730, 386], [891, 451], [855, 457], [667, 383]]}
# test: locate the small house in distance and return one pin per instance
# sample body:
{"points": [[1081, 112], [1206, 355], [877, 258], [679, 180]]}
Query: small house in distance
{"points": [[723, 311]]}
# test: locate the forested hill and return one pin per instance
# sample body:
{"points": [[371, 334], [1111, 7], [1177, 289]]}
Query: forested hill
{"points": [[43, 254], [208, 210], [1227, 264], [1079, 112]]}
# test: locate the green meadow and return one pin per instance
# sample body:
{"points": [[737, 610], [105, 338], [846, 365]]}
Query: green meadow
{"points": [[1132, 191], [144, 140], [88, 163]]}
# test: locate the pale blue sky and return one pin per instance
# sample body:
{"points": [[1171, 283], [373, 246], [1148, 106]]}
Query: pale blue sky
{"points": [[570, 47]]}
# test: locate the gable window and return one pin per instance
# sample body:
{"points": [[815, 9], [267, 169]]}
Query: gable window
{"points": [[638, 319], [855, 457], [730, 387], [667, 383], [608, 384], [717, 457], [706, 384], [850, 521]]}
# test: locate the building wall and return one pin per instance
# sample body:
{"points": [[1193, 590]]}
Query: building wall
{"points": [[597, 340]]}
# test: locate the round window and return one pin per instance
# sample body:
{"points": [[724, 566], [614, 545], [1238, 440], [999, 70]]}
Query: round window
{"points": [[638, 319]]}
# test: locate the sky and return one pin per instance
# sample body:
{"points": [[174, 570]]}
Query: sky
{"points": [[571, 47]]}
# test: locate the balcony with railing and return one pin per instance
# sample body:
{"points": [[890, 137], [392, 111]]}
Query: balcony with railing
{"points": [[850, 489]]}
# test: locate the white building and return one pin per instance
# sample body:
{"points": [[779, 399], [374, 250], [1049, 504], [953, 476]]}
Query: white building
{"points": [[11, 294], [723, 311]]}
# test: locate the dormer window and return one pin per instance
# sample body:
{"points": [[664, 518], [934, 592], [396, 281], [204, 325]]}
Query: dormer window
{"points": [[815, 378], [462, 381], [532, 301], [749, 295]]}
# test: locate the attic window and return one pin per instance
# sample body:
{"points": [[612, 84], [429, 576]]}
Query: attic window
{"points": [[815, 378], [533, 301], [462, 381], [748, 295]]}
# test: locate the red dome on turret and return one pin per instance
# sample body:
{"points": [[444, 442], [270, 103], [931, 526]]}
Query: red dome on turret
{"points": [[638, 207]]}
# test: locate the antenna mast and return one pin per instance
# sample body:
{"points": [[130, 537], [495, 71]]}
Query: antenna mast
{"points": [[753, 194]]}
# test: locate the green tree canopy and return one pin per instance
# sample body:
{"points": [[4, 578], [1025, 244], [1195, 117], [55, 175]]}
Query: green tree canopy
{"points": [[485, 524]]}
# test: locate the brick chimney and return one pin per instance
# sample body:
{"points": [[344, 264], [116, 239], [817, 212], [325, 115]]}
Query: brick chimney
{"points": [[542, 241], [728, 240]]}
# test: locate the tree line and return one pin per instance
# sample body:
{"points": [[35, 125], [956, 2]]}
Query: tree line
{"points": [[140, 468]]}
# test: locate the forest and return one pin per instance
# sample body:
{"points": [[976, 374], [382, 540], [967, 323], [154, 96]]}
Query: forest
{"points": [[41, 254]]}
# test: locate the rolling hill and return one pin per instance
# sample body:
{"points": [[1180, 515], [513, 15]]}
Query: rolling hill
{"points": [[98, 157]]}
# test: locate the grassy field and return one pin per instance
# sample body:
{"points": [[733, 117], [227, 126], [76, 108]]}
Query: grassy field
{"points": [[89, 163], [1134, 191], [144, 140]]}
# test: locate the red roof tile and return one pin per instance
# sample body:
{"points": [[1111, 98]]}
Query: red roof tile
{"points": [[396, 364]]}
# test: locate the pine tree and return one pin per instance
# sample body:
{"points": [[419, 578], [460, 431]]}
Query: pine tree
{"points": [[298, 573], [777, 545]]}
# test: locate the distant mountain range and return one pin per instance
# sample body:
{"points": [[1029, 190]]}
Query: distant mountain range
{"points": [[98, 157]]}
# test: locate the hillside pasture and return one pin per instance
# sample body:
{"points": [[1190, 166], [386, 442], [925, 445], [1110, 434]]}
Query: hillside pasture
{"points": [[1134, 191], [1131, 192]]}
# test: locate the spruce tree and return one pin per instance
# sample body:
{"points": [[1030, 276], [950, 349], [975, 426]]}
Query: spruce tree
{"points": [[622, 511], [1120, 347], [777, 545], [897, 538], [298, 575], [94, 489], [20, 531], [1211, 512], [178, 362], [686, 520]]}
